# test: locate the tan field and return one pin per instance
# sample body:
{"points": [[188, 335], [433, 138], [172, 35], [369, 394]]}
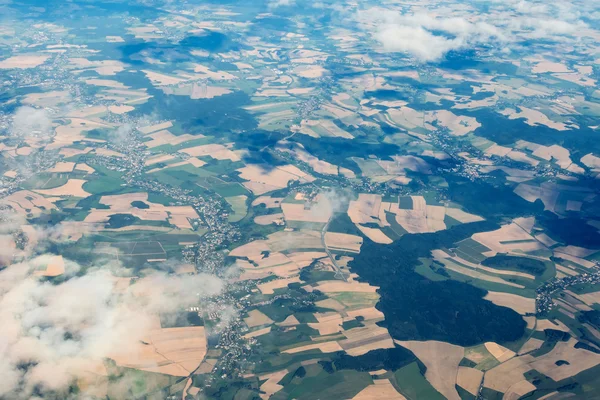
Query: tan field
{"points": [[534, 117], [269, 202], [25, 202], [24, 61], [159, 79], [269, 219], [55, 266], [441, 360], [73, 187], [364, 339], [507, 233], [502, 377], [47, 99], [271, 386], [530, 345], [543, 324], [365, 210], [121, 204], [469, 379], [161, 158], [157, 127], [268, 287], [85, 168], [277, 177], [549, 66], [319, 166], [257, 333], [519, 389], [69, 152], [329, 323], [341, 286], [257, 318], [462, 216], [120, 109], [216, 151], [289, 321], [458, 125], [343, 242], [369, 313], [193, 161], [172, 351], [520, 304], [500, 353], [163, 137], [579, 360], [73, 132], [375, 234], [382, 389]]}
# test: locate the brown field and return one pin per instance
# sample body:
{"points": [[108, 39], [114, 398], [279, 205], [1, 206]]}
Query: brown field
{"points": [[522, 305], [171, 351], [216, 151], [364, 339], [163, 137], [579, 360], [502, 377], [341, 286], [500, 353], [469, 379], [271, 385], [329, 323], [161, 158], [269, 219], [441, 360], [381, 389], [62, 167], [153, 128], [85, 168], [530, 345], [68, 134], [264, 180], [25, 202], [73, 187], [193, 161], [543, 324], [507, 233], [24, 61], [343, 242], [369, 313], [462, 216], [268, 287], [120, 109], [121, 204], [257, 318], [55, 266], [101, 151], [257, 333], [519, 389], [375, 234], [269, 202]]}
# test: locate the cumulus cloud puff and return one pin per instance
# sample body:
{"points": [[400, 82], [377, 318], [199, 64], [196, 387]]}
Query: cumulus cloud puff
{"points": [[29, 122], [428, 34], [53, 332]]}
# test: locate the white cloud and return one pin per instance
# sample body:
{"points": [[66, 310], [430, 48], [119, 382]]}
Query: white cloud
{"points": [[280, 3], [416, 41], [62, 329], [431, 31], [29, 122]]}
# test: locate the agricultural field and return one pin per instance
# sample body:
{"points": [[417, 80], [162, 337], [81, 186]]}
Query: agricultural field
{"points": [[299, 200]]}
